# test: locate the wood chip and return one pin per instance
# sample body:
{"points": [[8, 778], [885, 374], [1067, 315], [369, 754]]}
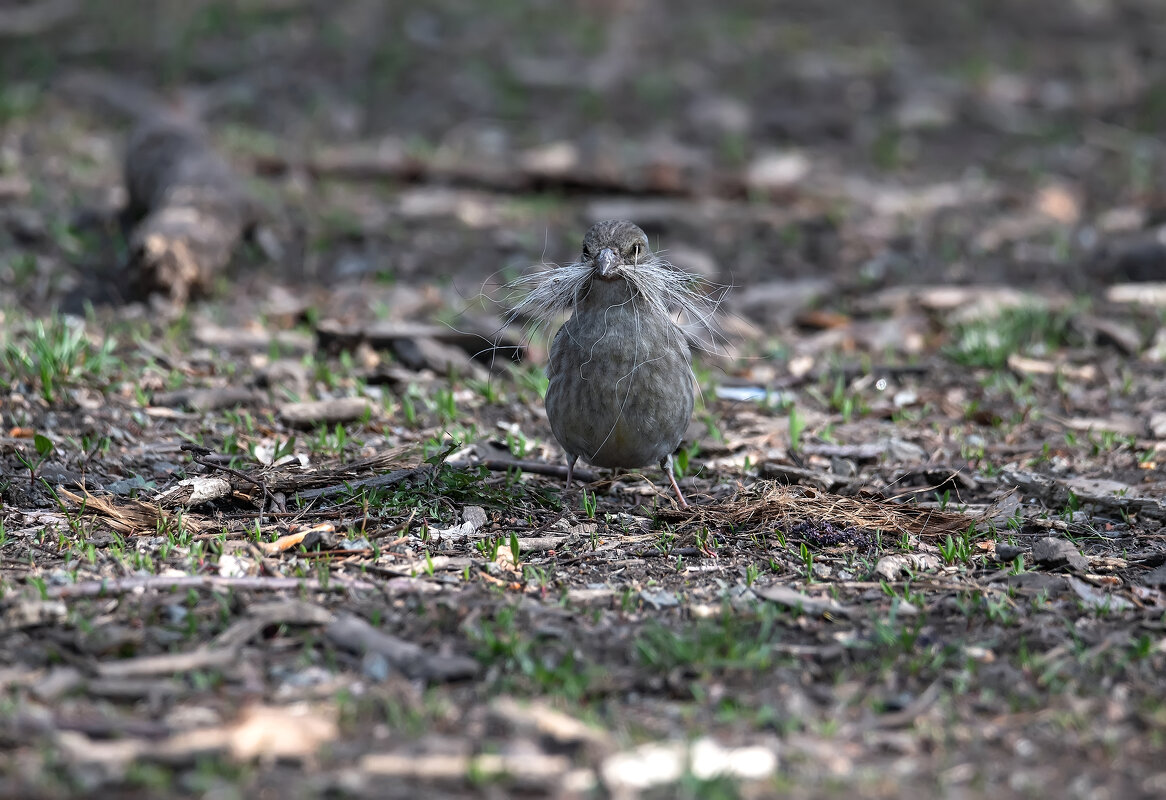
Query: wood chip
{"points": [[425, 353], [1086, 373], [23, 612], [194, 492], [327, 412], [1097, 598]]}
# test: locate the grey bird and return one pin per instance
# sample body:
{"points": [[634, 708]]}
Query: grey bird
{"points": [[621, 387]]}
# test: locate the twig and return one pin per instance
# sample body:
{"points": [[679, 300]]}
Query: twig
{"points": [[375, 482], [354, 634], [908, 715], [224, 648], [116, 586], [167, 664], [400, 526], [539, 468]]}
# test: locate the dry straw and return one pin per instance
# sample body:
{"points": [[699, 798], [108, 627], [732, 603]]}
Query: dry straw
{"points": [[765, 506], [543, 297]]}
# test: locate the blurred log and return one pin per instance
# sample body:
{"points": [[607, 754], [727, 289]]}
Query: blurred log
{"points": [[17, 22], [562, 168], [187, 209]]}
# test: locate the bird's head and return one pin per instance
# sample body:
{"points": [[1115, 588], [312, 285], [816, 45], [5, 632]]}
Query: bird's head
{"points": [[613, 246]]}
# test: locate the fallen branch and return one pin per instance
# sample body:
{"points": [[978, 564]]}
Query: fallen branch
{"points": [[274, 733]]}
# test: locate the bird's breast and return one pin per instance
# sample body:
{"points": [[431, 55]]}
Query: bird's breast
{"points": [[621, 389]]}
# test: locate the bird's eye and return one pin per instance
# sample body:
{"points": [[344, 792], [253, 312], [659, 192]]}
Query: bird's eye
{"points": [[637, 249]]}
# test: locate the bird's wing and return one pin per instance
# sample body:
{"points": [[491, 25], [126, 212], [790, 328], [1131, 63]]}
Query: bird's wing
{"points": [[554, 358]]}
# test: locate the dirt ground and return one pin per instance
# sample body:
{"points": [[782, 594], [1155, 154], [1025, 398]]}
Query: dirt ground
{"points": [[924, 556]]}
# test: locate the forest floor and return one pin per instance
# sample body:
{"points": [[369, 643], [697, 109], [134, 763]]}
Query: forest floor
{"points": [[927, 470]]}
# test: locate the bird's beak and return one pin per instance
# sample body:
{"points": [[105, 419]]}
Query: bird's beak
{"points": [[606, 261]]}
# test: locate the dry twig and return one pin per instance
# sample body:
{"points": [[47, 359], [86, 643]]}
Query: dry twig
{"points": [[172, 583]]}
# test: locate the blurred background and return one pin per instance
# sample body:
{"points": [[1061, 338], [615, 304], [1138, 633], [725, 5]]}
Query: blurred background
{"points": [[807, 153]]}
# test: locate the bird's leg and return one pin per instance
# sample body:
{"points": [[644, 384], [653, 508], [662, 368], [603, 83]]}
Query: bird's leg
{"points": [[666, 465], [570, 470]]}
